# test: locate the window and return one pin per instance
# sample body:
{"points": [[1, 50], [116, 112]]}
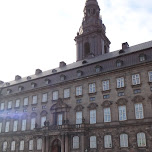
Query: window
{"points": [[107, 141], [142, 57], [21, 145], [79, 91], [9, 106], [23, 125], [25, 101], [34, 100], [135, 79], [150, 76], [139, 111], [0, 127], [7, 126], [5, 146], [92, 98], [34, 109], [17, 103], [75, 142], [15, 125], [92, 116], [98, 68], [66, 93], [120, 82], [13, 146], [106, 96], [55, 95], [107, 115], [59, 121], [141, 139], [92, 88], [39, 144], [93, 142], [119, 63], [122, 113], [33, 121], [44, 97], [79, 117], [62, 77], [121, 94], [79, 73], [2, 106], [24, 110], [44, 107], [137, 91], [123, 140], [78, 101], [43, 119], [105, 85], [33, 85], [31, 145]]}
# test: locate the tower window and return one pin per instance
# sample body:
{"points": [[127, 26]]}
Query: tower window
{"points": [[86, 49]]}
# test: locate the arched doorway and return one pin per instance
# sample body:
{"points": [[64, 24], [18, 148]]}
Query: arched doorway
{"points": [[56, 146]]}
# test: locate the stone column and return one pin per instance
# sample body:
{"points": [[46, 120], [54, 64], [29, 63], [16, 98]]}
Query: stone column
{"points": [[62, 144], [82, 143], [47, 144], [43, 144], [66, 143]]}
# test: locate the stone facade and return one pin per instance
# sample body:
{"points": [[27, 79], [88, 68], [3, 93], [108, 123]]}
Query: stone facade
{"points": [[90, 85]]}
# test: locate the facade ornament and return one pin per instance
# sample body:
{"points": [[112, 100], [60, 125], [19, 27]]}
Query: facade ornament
{"points": [[138, 98], [122, 101], [92, 106], [106, 103]]}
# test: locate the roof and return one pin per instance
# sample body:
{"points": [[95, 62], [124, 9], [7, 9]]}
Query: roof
{"points": [[78, 64]]}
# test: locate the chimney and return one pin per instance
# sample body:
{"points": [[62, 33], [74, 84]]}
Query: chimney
{"points": [[1, 82], [62, 64], [17, 77], [38, 71], [125, 45]]}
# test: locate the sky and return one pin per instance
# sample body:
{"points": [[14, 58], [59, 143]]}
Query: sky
{"points": [[38, 34]]}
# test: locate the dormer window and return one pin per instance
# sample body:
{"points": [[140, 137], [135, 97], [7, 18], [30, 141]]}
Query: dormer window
{"points": [[62, 77], [33, 85], [54, 71], [142, 57], [28, 78], [79, 73], [20, 88], [9, 91], [47, 81], [98, 68], [7, 83], [119, 63], [84, 62]]}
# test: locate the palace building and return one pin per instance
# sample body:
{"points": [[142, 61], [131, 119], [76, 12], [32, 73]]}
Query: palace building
{"points": [[100, 103]]}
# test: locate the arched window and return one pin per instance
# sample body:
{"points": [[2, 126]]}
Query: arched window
{"points": [[75, 142], [107, 141], [39, 144], [123, 140], [5, 146], [86, 49], [13, 146], [31, 145], [93, 142], [21, 145], [141, 139]]}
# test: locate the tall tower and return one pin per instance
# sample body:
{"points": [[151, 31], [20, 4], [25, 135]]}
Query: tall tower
{"points": [[91, 40]]}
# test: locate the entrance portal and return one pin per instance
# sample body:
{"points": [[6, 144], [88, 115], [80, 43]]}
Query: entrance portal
{"points": [[56, 146]]}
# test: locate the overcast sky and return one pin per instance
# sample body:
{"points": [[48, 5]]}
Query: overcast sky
{"points": [[40, 33]]}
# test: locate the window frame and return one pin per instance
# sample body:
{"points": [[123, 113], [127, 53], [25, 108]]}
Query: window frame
{"points": [[150, 76], [139, 137], [106, 85], [136, 79], [55, 95], [120, 82], [76, 142], [78, 90], [93, 142], [123, 140], [79, 120], [92, 87], [66, 93], [107, 114], [121, 112], [44, 97], [140, 114], [108, 139], [93, 118]]}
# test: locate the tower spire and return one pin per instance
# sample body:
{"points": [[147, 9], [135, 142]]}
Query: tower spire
{"points": [[91, 39]]}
